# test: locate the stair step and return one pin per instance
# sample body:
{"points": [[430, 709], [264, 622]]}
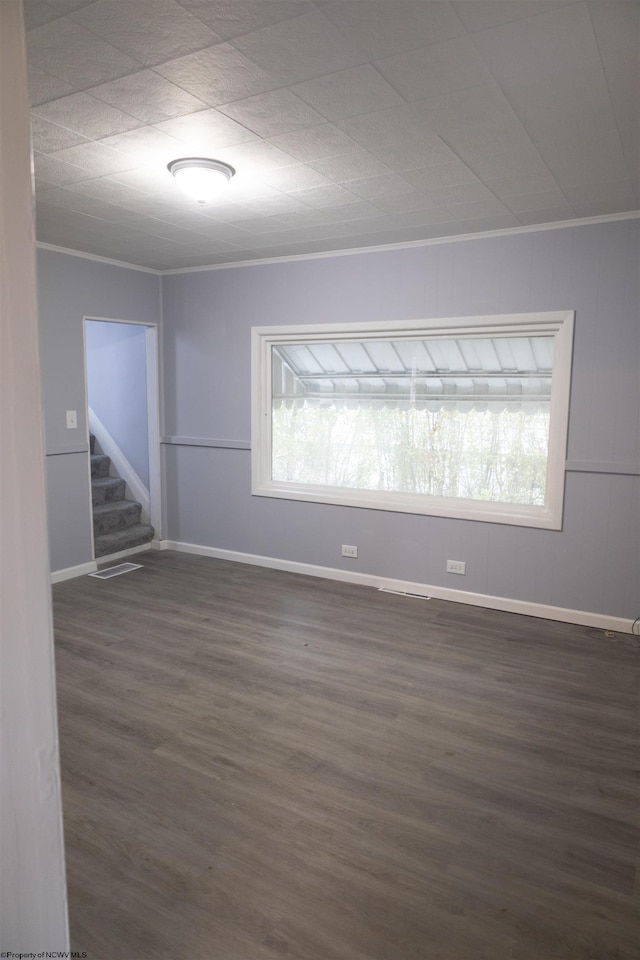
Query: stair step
{"points": [[106, 489], [115, 515], [100, 465], [92, 443], [123, 539]]}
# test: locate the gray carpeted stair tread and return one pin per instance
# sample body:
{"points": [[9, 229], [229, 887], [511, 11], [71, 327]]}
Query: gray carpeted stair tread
{"points": [[107, 489], [114, 515], [92, 443], [100, 465], [123, 539]]}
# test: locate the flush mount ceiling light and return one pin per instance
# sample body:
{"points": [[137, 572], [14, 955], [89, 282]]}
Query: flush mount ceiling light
{"points": [[200, 177]]}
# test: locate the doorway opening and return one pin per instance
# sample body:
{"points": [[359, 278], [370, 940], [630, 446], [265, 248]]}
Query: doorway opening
{"points": [[121, 371]]}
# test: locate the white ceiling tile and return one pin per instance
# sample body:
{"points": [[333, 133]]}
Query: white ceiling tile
{"points": [[146, 146], [518, 184], [206, 129], [125, 24], [442, 68], [75, 55], [384, 126], [532, 202], [218, 75], [107, 190], [460, 193], [478, 224], [598, 208], [273, 113], [407, 203], [300, 48], [383, 29], [49, 137], [473, 209], [38, 12], [72, 200], [387, 185], [550, 215], [417, 149], [617, 29], [247, 188], [44, 87], [553, 44], [492, 13], [591, 170], [57, 172], [294, 178], [630, 140], [481, 104], [445, 175], [87, 116], [351, 166], [358, 210], [148, 97], [328, 196], [232, 18], [477, 141], [525, 160], [255, 158], [348, 92], [314, 143], [600, 147], [94, 158]]}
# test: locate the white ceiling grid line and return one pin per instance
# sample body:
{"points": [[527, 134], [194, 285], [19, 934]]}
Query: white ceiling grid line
{"points": [[350, 124]]}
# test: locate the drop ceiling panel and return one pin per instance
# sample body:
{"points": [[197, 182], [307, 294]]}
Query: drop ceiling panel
{"points": [[439, 69], [348, 123], [125, 24], [148, 97], [72, 54], [273, 113], [349, 93], [219, 74], [300, 48], [85, 115], [233, 18], [383, 29]]}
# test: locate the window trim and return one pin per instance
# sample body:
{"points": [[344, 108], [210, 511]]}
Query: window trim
{"points": [[559, 324]]}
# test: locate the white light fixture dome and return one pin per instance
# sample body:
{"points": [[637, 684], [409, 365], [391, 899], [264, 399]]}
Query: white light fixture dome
{"points": [[200, 177]]}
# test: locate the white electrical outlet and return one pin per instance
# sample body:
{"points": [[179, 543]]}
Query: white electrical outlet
{"points": [[457, 566], [72, 419], [349, 551]]}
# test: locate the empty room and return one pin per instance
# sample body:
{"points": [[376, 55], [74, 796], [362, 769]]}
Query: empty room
{"points": [[320, 479]]}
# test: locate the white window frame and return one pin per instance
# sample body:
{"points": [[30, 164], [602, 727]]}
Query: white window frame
{"points": [[558, 324]]}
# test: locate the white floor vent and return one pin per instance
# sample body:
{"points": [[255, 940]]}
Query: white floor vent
{"points": [[403, 593], [109, 572]]}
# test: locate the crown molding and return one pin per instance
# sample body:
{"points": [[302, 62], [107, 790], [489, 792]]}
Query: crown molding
{"points": [[354, 251], [97, 259], [412, 244]]}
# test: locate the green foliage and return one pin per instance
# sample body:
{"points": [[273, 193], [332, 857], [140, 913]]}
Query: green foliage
{"points": [[497, 455]]}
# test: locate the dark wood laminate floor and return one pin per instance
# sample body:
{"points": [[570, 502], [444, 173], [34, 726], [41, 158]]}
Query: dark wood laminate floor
{"points": [[260, 765]]}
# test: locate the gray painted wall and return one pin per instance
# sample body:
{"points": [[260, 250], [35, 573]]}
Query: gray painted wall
{"points": [[71, 288], [593, 564], [117, 387]]}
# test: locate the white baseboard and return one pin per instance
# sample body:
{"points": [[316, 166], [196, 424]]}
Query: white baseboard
{"points": [[160, 545], [545, 611], [142, 548], [57, 576], [122, 466]]}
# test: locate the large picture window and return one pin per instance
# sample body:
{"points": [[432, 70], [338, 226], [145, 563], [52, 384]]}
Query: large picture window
{"points": [[464, 417]]}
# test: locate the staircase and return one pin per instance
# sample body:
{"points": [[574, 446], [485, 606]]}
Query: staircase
{"points": [[116, 521]]}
